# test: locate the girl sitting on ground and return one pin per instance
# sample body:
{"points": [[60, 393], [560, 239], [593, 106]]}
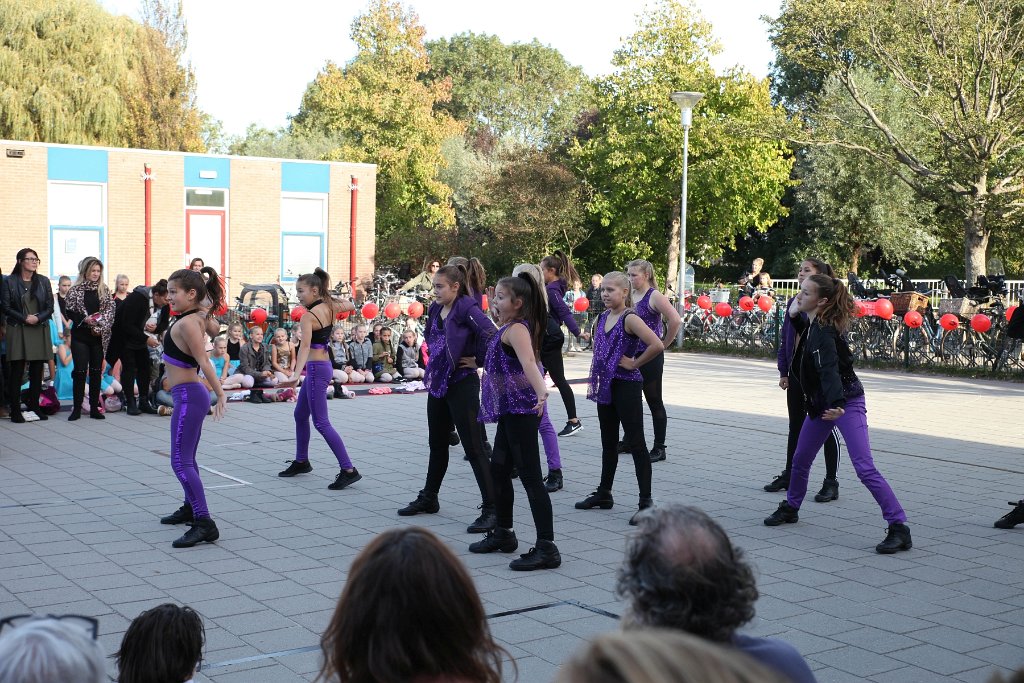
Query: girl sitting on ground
{"points": [[384, 369], [360, 357], [62, 382], [337, 349], [225, 367], [409, 360], [236, 338], [282, 355]]}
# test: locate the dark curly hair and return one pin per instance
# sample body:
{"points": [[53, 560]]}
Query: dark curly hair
{"points": [[681, 571]]}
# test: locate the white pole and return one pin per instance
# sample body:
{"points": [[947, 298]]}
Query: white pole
{"points": [[680, 291]]}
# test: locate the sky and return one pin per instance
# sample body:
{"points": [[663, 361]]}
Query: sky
{"points": [[254, 58]]}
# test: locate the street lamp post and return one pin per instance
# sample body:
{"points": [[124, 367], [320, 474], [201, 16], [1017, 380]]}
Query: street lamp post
{"points": [[686, 102]]}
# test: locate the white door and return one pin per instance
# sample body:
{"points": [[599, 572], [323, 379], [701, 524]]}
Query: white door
{"points": [[205, 237]]}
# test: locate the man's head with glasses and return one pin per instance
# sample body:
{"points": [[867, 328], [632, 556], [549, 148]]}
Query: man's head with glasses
{"points": [[51, 649]]}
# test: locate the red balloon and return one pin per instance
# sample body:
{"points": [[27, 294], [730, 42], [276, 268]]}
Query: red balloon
{"points": [[861, 309], [981, 323], [581, 304], [415, 309], [370, 311], [297, 313], [723, 310], [704, 301], [485, 304], [1009, 312], [343, 315], [913, 319], [949, 322], [766, 303], [258, 315], [392, 310], [222, 310], [883, 309], [746, 303]]}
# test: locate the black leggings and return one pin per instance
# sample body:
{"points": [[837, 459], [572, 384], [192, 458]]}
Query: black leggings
{"points": [[135, 367], [653, 373], [515, 445], [797, 413], [88, 358], [553, 363], [460, 407], [35, 383], [626, 409]]}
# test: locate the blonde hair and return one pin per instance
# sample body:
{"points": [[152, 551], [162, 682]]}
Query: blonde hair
{"points": [[622, 280], [648, 269], [533, 270], [84, 266], [661, 656]]}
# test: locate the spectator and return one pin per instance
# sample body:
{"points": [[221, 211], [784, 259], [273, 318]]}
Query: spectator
{"points": [[384, 369], [50, 650], [425, 280], [409, 612], [91, 309], [226, 368], [337, 350], [161, 645], [360, 357], [254, 361], [660, 656], [120, 289], [748, 280], [282, 355], [410, 361], [581, 318], [762, 286], [682, 572], [27, 304], [132, 345], [236, 338], [63, 285], [4, 400], [196, 264], [62, 382]]}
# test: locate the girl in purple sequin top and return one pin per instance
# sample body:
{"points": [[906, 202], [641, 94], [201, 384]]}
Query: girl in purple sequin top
{"points": [[514, 395], [616, 385]]}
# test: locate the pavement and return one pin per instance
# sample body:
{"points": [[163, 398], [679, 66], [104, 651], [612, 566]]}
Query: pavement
{"points": [[80, 502]]}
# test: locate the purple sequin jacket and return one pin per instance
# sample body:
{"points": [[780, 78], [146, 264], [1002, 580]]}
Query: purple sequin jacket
{"points": [[650, 316], [506, 390], [465, 332], [609, 348]]}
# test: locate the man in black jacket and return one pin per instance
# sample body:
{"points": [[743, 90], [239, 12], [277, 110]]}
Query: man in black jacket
{"points": [[129, 330]]}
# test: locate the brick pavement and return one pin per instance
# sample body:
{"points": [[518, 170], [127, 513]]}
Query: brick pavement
{"points": [[79, 504]]}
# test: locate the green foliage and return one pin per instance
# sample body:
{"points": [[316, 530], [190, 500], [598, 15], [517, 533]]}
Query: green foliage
{"points": [[285, 144]]}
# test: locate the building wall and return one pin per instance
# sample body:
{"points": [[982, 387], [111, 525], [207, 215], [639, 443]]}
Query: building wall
{"points": [[255, 203], [23, 208]]}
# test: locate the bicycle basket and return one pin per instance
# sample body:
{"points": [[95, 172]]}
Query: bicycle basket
{"points": [[961, 306], [908, 301]]}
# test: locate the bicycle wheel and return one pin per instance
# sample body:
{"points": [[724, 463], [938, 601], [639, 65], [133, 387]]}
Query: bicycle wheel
{"points": [[953, 349]]}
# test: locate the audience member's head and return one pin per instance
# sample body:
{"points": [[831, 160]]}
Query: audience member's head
{"points": [[661, 656], [51, 650], [682, 572], [162, 645], [1015, 677], [409, 609]]}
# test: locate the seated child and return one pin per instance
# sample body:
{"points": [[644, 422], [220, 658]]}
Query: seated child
{"points": [[62, 382], [384, 357], [360, 357], [338, 351], [282, 355], [236, 338], [225, 367], [409, 360], [255, 362], [164, 643], [375, 335]]}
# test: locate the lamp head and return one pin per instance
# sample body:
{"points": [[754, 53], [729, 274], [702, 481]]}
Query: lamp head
{"points": [[686, 101]]}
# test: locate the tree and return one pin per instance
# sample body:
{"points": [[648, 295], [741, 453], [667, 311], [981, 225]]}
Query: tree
{"points": [[385, 114], [957, 64], [285, 144], [631, 151], [525, 91]]}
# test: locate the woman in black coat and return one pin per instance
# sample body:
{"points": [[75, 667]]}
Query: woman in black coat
{"points": [[27, 304]]}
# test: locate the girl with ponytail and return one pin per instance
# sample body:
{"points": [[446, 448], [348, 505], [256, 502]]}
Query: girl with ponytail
{"points": [[833, 395], [558, 272], [316, 325]]}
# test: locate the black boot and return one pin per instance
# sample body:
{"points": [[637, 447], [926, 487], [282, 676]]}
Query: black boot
{"points": [[621, 448], [779, 483], [179, 516], [658, 453], [16, 416], [497, 540], [829, 491], [200, 530], [296, 467], [256, 396], [94, 397], [785, 514], [644, 504], [485, 522], [598, 499], [544, 555], [132, 406], [1007, 521], [896, 538], [77, 395], [553, 482], [145, 406], [425, 502], [454, 440]]}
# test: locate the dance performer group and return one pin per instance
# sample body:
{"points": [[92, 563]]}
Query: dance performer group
{"points": [[628, 361]]}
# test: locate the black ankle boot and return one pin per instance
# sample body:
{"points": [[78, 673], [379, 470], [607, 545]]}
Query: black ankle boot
{"points": [[296, 467], [425, 502], [200, 530], [256, 396], [544, 555], [553, 482], [896, 538], [829, 491], [621, 448], [132, 406], [644, 504], [497, 540], [179, 516], [76, 413], [658, 453], [598, 499], [1010, 519], [785, 514], [485, 522], [145, 406], [779, 483]]}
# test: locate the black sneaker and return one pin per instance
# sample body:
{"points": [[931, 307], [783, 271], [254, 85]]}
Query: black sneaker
{"points": [[297, 467], [344, 479], [179, 516], [497, 540], [453, 439], [571, 428], [544, 555], [785, 514], [200, 531], [1013, 517], [829, 491], [484, 523], [265, 399], [425, 503], [658, 454], [779, 483], [897, 538], [255, 396], [553, 482], [597, 499], [645, 503]]}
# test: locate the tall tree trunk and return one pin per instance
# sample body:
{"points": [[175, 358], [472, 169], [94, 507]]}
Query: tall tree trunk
{"points": [[854, 261], [673, 250], [975, 244]]}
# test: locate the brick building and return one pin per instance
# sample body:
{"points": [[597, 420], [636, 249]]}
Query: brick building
{"points": [[255, 220]]}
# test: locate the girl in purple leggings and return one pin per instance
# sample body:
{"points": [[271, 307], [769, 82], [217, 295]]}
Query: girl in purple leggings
{"points": [[316, 326], [833, 395], [184, 355]]}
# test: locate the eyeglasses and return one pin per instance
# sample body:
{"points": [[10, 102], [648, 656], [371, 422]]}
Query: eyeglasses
{"points": [[90, 625], [31, 259]]}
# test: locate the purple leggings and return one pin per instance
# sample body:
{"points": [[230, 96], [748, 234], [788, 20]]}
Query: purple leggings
{"points": [[313, 401], [191, 403], [853, 425], [550, 439]]}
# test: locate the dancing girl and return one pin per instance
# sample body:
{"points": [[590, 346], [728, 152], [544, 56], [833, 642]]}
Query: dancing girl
{"points": [[558, 272]]}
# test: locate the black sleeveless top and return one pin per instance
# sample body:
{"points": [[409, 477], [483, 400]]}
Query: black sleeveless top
{"points": [[171, 349], [323, 335]]}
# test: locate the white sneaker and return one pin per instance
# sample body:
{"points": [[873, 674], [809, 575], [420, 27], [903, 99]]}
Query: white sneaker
{"points": [[30, 416]]}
